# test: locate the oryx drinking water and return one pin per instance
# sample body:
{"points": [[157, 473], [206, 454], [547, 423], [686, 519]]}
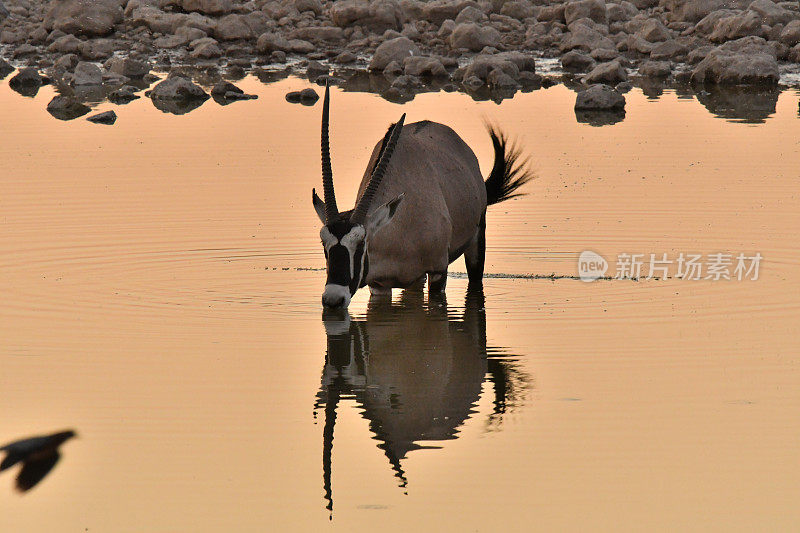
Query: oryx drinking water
{"points": [[421, 204]]}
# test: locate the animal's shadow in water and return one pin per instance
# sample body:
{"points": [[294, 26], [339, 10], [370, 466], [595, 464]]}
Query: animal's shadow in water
{"points": [[414, 371]]}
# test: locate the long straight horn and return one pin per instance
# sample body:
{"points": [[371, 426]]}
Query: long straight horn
{"points": [[331, 211], [360, 212]]}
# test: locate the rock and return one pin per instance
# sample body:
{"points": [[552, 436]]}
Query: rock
{"points": [[393, 50], [794, 54], [525, 62], [599, 97], [517, 9], [128, 67], [225, 92], [609, 73], [319, 34], [315, 69], [4, 13], [695, 10], [708, 23], [473, 83], [485, 64], [392, 70], [790, 35], [554, 13], [406, 83], [177, 88], [669, 50], [621, 12], [470, 14], [26, 77], [497, 79], [446, 29], [653, 31], [27, 82], [655, 69], [299, 46], [603, 55], [233, 27], [68, 44], [737, 26], [582, 37], [206, 50], [698, 54], [66, 108], [771, 13], [5, 68], [270, 42], [97, 49], [345, 58], [376, 15], [25, 49], [315, 6], [107, 117], [474, 37], [87, 74], [123, 95], [744, 104], [440, 10], [591, 9], [423, 66], [305, 97], [83, 17], [576, 61], [746, 61], [206, 7]]}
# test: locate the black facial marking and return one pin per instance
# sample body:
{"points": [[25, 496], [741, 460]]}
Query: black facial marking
{"points": [[355, 283], [338, 265]]}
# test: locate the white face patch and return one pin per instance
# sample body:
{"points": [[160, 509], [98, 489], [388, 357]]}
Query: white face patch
{"points": [[328, 240], [335, 294]]}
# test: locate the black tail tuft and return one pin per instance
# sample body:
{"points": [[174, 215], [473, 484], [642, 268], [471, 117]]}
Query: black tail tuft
{"points": [[508, 173]]}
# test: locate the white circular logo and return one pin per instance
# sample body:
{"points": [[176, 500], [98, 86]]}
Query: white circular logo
{"points": [[591, 266]]}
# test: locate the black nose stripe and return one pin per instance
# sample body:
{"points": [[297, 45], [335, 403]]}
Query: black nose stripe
{"points": [[339, 265]]}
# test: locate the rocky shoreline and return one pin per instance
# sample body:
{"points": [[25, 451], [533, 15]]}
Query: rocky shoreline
{"points": [[93, 50]]}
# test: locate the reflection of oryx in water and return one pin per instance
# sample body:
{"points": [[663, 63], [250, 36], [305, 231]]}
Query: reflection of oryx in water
{"points": [[430, 209], [415, 371]]}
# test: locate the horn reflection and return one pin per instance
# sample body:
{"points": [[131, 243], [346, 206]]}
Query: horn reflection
{"points": [[415, 372]]}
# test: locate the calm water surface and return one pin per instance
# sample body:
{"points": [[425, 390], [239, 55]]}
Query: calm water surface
{"points": [[160, 285]]}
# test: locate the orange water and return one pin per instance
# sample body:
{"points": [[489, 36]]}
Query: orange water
{"points": [[160, 294]]}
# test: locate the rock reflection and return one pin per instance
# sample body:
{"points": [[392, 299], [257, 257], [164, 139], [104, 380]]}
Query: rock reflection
{"points": [[416, 373], [599, 118], [38, 455], [752, 105]]}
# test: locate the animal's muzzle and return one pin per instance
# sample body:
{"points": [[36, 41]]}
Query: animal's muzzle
{"points": [[336, 295]]}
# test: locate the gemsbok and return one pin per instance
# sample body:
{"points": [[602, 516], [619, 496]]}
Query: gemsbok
{"points": [[421, 205]]}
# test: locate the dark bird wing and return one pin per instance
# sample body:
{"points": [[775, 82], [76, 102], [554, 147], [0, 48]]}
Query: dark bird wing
{"points": [[10, 460], [34, 470]]}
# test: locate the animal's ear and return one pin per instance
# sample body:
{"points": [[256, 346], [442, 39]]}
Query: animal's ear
{"points": [[319, 205], [382, 215]]}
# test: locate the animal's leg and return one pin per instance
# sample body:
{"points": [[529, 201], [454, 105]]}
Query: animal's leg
{"points": [[377, 290], [475, 255], [437, 281], [418, 285]]}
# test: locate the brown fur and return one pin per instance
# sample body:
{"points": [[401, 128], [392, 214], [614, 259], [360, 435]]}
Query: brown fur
{"points": [[443, 204]]}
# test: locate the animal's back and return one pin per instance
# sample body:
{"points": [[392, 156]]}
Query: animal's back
{"points": [[444, 200]]}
